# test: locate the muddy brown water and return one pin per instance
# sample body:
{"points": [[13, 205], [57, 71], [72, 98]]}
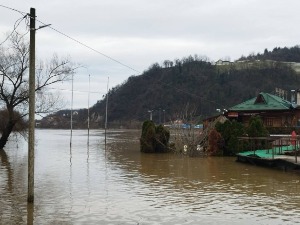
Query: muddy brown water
{"points": [[91, 184]]}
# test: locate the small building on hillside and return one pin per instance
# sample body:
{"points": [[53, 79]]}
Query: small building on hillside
{"points": [[273, 110], [223, 63]]}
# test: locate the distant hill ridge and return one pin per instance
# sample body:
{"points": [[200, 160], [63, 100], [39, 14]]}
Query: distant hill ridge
{"points": [[193, 88], [277, 54]]}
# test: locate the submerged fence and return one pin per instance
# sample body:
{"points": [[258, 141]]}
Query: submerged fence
{"points": [[269, 147]]}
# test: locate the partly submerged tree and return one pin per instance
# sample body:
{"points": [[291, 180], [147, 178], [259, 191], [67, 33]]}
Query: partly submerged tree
{"points": [[154, 138], [147, 141], [230, 131], [14, 84], [256, 127], [162, 138], [258, 132], [21, 123], [215, 143]]}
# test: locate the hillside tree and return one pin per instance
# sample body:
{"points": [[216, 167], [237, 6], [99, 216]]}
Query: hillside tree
{"points": [[14, 85]]}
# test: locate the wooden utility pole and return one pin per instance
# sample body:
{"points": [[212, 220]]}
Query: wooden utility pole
{"points": [[31, 139]]}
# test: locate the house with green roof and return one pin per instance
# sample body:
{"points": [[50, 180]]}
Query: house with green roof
{"points": [[274, 111]]}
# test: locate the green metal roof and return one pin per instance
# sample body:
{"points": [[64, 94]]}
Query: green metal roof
{"points": [[264, 101]]}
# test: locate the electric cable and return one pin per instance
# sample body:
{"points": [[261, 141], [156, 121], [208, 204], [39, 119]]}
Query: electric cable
{"points": [[115, 60], [23, 13], [91, 48], [17, 23]]}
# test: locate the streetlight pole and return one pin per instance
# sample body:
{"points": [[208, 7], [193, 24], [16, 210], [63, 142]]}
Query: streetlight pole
{"points": [[105, 125], [150, 111], [72, 96], [159, 116], [30, 197], [89, 110]]}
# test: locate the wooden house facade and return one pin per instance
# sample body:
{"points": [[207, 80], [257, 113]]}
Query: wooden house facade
{"points": [[273, 110]]}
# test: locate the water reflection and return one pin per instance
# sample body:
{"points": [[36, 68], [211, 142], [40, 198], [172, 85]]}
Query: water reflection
{"points": [[91, 184], [209, 184], [30, 211], [10, 211], [6, 164]]}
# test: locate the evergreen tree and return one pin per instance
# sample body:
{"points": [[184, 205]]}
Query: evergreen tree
{"points": [[230, 131], [154, 138]]}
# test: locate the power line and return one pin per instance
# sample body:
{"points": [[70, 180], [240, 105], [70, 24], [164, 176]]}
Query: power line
{"points": [[17, 23], [91, 48], [63, 89], [23, 13], [77, 41], [109, 57]]}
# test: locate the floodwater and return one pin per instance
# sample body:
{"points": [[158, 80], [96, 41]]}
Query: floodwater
{"points": [[88, 184]]}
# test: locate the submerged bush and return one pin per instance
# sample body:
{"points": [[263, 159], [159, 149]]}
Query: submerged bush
{"points": [[154, 138], [230, 131], [256, 129], [215, 143]]}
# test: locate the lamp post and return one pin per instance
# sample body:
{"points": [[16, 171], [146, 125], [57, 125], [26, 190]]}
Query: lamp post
{"points": [[72, 96], [105, 126], [159, 117], [88, 120], [150, 111]]}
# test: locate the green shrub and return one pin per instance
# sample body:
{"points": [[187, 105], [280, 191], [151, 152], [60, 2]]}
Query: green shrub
{"points": [[256, 128], [154, 138], [230, 131]]}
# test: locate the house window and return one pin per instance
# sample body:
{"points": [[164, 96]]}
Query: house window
{"points": [[286, 121], [269, 122]]}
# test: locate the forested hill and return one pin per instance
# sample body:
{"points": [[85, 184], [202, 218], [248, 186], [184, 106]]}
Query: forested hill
{"points": [[193, 88], [277, 54], [190, 89]]}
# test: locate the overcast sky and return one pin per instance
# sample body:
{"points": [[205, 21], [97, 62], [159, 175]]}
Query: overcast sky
{"points": [[138, 33]]}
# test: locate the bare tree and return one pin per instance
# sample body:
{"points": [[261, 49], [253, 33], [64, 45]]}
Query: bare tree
{"points": [[186, 139], [167, 63], [14, 84]]}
